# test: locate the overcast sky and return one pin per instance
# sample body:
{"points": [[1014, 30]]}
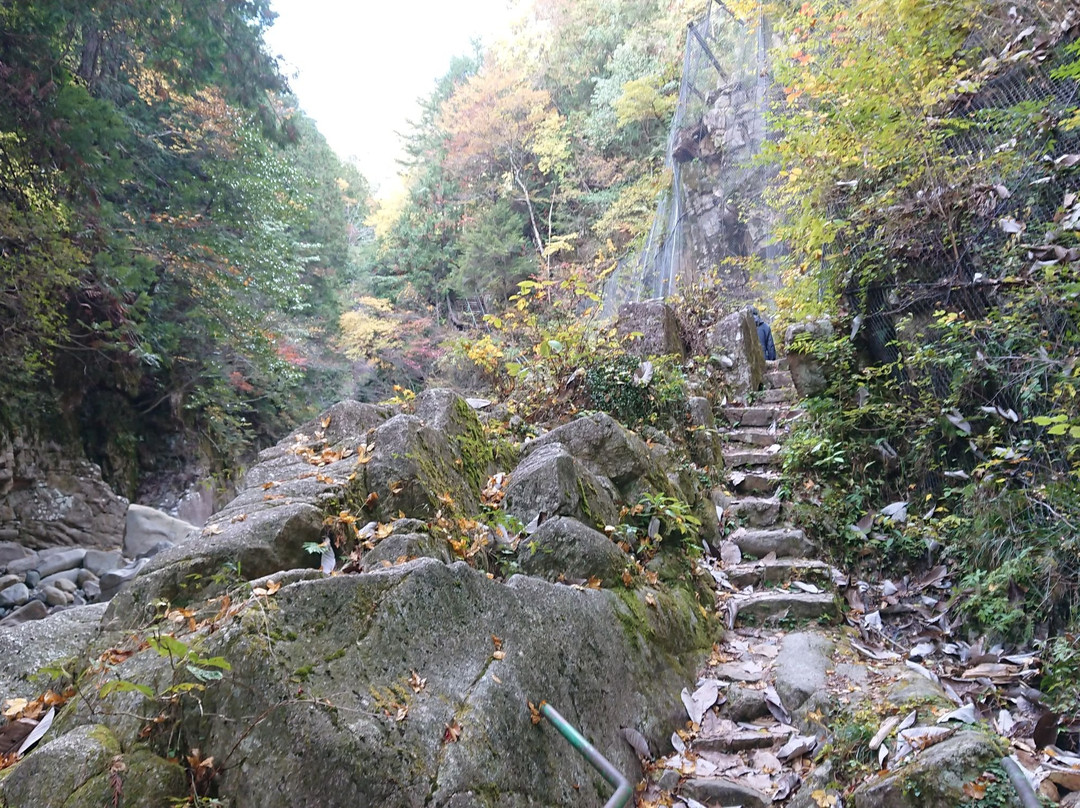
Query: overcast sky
{"points": [[360, 65]]}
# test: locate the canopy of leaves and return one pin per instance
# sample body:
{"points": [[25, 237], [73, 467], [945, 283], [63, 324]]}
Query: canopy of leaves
{"points": [[164, 207]]}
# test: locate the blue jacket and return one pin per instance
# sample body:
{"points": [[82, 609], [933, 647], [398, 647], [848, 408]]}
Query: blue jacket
{"points": [[765, 335]]}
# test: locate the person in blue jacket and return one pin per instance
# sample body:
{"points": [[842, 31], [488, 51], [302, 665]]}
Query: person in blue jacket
{"points": [[765, 335]]}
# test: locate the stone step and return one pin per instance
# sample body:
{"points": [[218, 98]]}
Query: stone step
{"points": [[787, 542], [776, 364], [733, 458], [754, 511], [753, 416], [778, 571], [781, 395], [777, 379], [780, 605], [760, 436], [754, 482]]}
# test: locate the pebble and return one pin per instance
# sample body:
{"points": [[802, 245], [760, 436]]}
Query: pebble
{"points": [[92, 590], [65, 585], [33, 578], [34, 610], [9, 580], [78, 600], [15, 595]]}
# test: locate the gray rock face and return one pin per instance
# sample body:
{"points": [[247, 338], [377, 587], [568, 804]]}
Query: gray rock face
{"points": [[735, 337], [147, 528], [412, 466], [358, 640], [265, 542], [604, 445], [28, 647], [935, 777], [552, 482], [565, 547], [50, 497], [406, 546], [450, 414], [718, 791], [655, 320], [705, 444], [808, 374], [20, 566], [800, 667]]}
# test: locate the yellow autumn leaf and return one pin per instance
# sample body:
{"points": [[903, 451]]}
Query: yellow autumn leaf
{"points": [[12, 707]]}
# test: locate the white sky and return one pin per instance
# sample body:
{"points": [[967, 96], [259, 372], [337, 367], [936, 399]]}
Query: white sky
{"points": [[361, 66]]}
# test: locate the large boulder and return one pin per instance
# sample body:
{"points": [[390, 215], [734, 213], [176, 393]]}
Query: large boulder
{"points": [[735, 340], [447, 412], [604, 445], [88, 768], [565, 548], [552, 482], [808, 372], [147, 529], [50, 642], [416, 471], [935, 777], [411, 685], [656, 326]]}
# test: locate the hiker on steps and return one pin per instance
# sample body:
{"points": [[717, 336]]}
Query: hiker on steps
{"points": [[765, 335]]}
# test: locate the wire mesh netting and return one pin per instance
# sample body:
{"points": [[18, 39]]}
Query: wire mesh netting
{"points": [[717, 130]]}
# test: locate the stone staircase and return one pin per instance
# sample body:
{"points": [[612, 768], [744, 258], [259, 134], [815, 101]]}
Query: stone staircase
{"points": [[768, 563]]}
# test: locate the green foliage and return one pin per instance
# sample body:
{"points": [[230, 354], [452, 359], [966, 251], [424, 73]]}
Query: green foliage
{"points": [[164, 210], [494, 256], [617, 386], [1061, 672], [657, 517]]}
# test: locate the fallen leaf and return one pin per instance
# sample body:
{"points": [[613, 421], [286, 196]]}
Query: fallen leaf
{"points": [[452, 732], [974, 790], [402, 712], [416, 682], [534, 712], [13, 707], [637, 742], [823, 798]]}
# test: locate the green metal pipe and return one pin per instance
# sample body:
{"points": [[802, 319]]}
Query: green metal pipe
{"points": [[623, 789]]}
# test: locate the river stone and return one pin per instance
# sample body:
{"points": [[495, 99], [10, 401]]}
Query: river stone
{"points": [[33, 578], [32, 610], [9, 551], [406, 546], [808, 373], [24, 564], [800, 667], [565, 548], [47, 640], [101, 561], [112, 580], [357, 640], [736, 337], [604, 445], [657, 325], [84, 576], [146, 528], [9, 580], [91, 591], [68, 576], [935, 778], [551, 482], [54, 596], [265, 542], [413, 468], [14, 595]]}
